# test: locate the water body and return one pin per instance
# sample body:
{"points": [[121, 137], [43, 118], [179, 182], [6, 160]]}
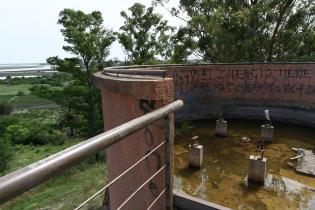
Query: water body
{"points": [[16, 66], [3, 78], [25, 70], [223, 177]]}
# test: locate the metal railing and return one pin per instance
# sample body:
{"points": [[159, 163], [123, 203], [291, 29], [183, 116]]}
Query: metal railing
{"points": [[29, 177], [138, 72]]}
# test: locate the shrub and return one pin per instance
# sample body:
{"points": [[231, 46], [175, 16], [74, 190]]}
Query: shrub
{"points": [[43, 136], [39, 137], [5, 109], [5, 121], [17, 134], [20, 93], [5, 155], [58, 137], [30, 132]]}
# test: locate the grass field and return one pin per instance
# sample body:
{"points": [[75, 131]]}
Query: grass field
{"points": [[5, 98], [65, 191], [45, 116], [29, 101], [14, 89], [8, 93]]}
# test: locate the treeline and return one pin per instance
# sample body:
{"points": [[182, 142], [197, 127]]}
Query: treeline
{"points": [[214, 31], [247, 30]]}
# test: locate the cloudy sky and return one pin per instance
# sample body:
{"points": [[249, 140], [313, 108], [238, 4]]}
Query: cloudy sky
{"points": [[29, 32]]}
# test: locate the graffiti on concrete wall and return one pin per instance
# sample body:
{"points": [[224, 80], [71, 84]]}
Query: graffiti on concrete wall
{"points": [[147, 106], [249, 81]]}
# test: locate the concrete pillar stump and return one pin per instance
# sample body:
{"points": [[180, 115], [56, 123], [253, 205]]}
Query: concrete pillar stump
{"points": [[195, 153], [266, 133], [257, 169], [221, 128]]}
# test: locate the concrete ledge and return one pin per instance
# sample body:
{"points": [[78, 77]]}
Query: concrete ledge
{"points": [[150, 88], [182, 201]]}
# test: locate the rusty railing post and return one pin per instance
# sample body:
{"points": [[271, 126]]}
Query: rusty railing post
{"points": [[169, 144]]}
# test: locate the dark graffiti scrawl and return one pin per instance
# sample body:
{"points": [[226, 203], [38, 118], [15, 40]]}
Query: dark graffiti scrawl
{"points": [[147, 106], [252, 81]]}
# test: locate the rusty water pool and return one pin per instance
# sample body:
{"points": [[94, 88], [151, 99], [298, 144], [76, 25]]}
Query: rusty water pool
{"points": [[223, 176]]}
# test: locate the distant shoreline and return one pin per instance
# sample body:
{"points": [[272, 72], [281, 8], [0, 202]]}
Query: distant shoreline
{"points": [[27, 70], [21, 65]]}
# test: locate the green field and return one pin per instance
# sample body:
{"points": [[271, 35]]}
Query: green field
{"points": [[8, 94], [6, 98], [14, 89], [44, 116], [65, 191], [29, 101]]}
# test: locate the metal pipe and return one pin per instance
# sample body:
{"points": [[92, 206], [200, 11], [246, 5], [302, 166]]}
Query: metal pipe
{"points": [[136, 71], [27, 178]]}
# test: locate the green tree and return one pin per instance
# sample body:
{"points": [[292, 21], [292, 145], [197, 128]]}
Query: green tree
{"points": [[89, 41], [17, 134], [5, 121], [182, 46], [5, 155], [145, 36], [20, 93], [249, 30], [5, 109], [5, 151]]}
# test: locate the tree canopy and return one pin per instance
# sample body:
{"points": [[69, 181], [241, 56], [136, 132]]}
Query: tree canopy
{"points": [[89, 42], [145, 36], [249, 30], [86, 36]]}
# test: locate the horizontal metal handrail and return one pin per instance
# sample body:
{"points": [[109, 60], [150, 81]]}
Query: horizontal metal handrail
{"points": [[27, 178]]}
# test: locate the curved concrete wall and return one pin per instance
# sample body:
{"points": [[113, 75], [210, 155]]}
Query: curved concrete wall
{"points": [[236, 90], [245, 90], [124, 99]]}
